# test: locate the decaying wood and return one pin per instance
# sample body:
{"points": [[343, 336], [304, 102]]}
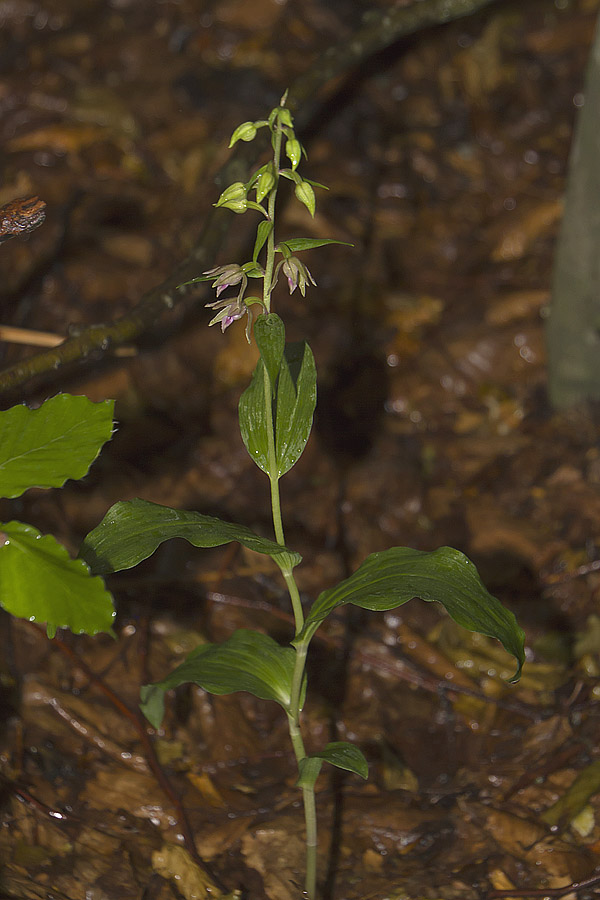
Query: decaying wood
{"points": [[21, 216]]}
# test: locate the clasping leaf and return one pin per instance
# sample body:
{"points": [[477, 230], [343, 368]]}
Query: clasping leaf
{"points": [[248, 661], [132, 530], [393, 577]]}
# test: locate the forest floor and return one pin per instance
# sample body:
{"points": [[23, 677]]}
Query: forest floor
{"points": [[446, 161]]}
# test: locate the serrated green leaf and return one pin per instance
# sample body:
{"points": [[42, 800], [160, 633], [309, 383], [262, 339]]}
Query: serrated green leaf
{"points": [[340, 754], [296, 244], [132, 530], [39, 581], [263, 231], [393, 577], [295, 405], [248, 661], [269, 333], [46, 446]]}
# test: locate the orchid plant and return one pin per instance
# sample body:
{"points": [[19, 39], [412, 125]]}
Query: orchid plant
{"points": [[275, 417]]}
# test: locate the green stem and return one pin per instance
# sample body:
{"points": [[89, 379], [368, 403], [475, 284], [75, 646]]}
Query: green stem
{"points": [[270, 263], [308, 794], [310, 813]]}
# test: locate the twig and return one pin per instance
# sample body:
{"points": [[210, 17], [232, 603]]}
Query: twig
{"points": [[12, 335], [574, 888]]}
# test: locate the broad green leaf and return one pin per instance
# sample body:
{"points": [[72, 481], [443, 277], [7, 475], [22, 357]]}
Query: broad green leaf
{"points": [[263, 231], [269, 333], [295, 406], [253, 418], [39, 581], [132, 530], [389, 579], [340, 754], [248, 661], [43, 447], [296, 244]]}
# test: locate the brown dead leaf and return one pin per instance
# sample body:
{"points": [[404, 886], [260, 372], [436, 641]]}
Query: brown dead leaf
{"points": [[58, 138], [276, 850], [518, 237], [490, 533], [176, 864], [516, 306]]}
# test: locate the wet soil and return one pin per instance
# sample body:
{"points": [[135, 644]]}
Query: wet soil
{"points": [[446, 158]]}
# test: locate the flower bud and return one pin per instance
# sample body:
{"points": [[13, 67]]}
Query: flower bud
{"points": [[264, 184], [244, 132], [297, 274], [305, 194], [293, 151], [235, 192]]}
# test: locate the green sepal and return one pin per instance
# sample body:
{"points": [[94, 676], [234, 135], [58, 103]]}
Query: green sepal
{"points": [[391, 578], [131, 531], [249, 661]]}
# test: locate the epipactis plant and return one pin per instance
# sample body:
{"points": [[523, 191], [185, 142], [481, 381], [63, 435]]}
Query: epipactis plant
{"points": [[275, 416]]}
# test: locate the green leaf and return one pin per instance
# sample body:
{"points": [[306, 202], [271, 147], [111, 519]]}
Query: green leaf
{"points": [[39, 581], [253, 418], [294, 406], [296, 244], [248, 661], [132, 530], [269, 333], [263, 231], [340, 754], [43, 447], [197, 279], [296, 401], [391, 578]]}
